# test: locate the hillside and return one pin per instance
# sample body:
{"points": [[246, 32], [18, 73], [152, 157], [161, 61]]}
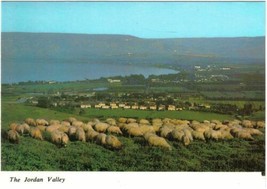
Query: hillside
{"points": [[123, 49]]}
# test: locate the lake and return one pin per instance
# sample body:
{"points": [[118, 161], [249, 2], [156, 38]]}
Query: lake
{"points": [[13, 72]]}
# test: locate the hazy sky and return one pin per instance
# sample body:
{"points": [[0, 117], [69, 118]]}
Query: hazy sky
{"points": [[141, 19]]}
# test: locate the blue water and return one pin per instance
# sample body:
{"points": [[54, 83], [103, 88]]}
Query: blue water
{"points": [[100, 89], [13, 72]]}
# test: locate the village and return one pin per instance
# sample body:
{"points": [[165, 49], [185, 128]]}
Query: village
{"points": [[133, 107], [126, 101]]}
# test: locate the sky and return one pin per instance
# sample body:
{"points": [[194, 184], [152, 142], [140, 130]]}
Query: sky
{"points": [[140, 19]]}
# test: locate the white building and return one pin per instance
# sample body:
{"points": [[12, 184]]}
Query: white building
{"points": [[171, 108], [153, 107], [143, 107], [127, 107], [114, 80], [122, 105], [135, 107], [86, 106]]}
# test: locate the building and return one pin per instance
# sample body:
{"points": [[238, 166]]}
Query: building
{"points": [[226, 68], [86, 106], [153, 107], [97, 106], [122, 105], [171, 108], [51, 82], [143, 107], [127, 107], [155, 80], [114, 80], [101, 104], [204, 106], [113, 106], [54, 104], [161, 107], [105, 107], [33, 102], [135, 107]]}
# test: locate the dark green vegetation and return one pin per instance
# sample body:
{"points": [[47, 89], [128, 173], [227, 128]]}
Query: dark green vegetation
{"points": [[234, 155]]}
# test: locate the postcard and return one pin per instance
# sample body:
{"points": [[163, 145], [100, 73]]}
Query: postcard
{"points": [[133, 94]]}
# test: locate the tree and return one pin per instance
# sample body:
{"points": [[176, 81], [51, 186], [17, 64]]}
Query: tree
{"points": [[247, 109], [188, 104], [170, 101], [44, 102], [50, 91], [81, 112]]}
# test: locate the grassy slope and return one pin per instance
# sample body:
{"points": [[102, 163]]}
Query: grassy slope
{"points": [[67, 86], [234, 155], [18, 112], [31, 154], [189, 115], [238, 103]]}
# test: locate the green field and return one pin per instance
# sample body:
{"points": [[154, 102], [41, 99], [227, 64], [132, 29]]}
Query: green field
{"points": [[20, 111], [238, 103], [185, 114], [45, 88], [234, 95]]}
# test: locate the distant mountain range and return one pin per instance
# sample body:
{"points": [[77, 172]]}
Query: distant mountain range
{"points": [[125, 49]]}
